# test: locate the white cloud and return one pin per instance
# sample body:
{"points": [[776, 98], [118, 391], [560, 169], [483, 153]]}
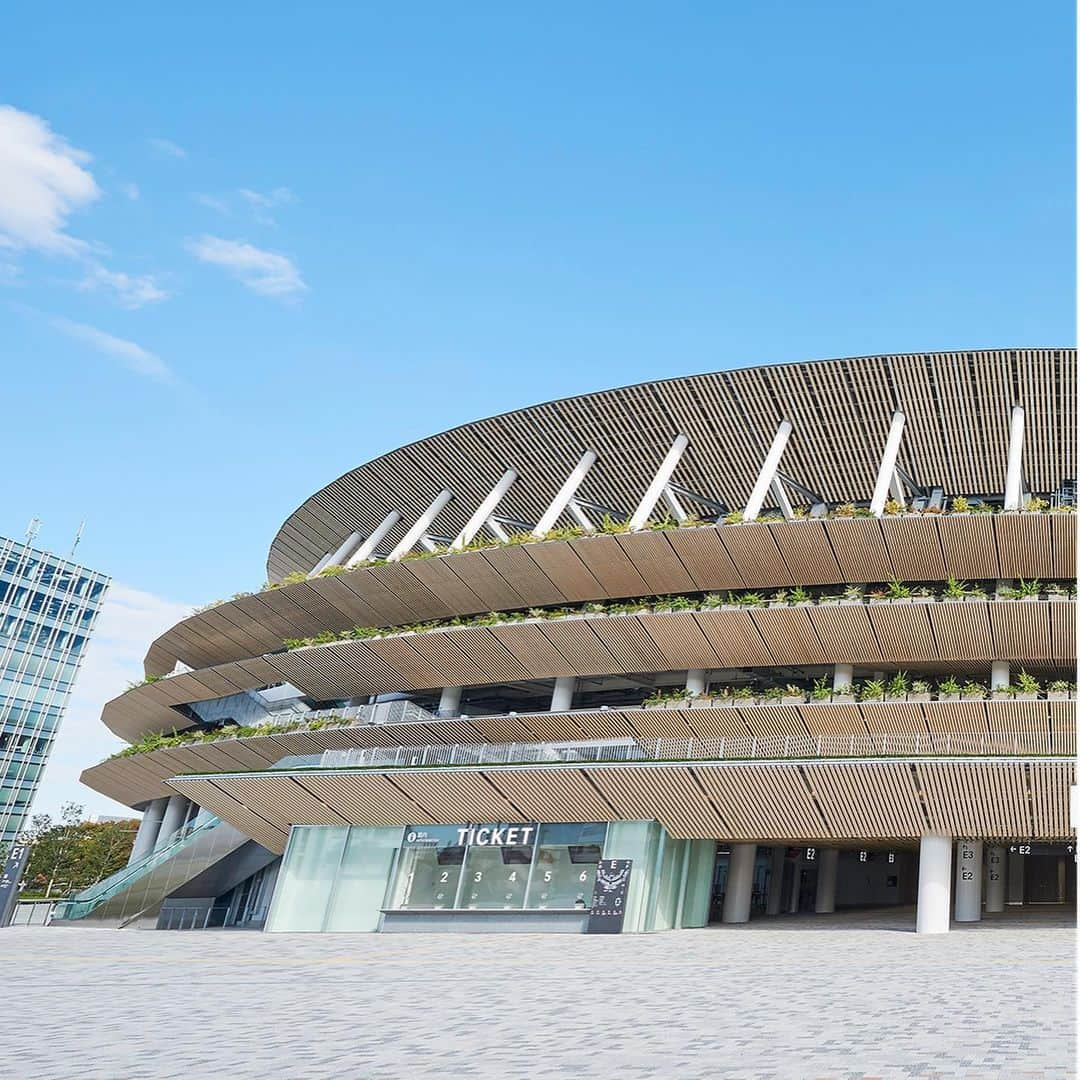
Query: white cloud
{"points": [[129, 622], [130, 191], [134, 357], [167, 148], [262, 203], [211, 202], [265, 272], [43, 182], [128, 291]]}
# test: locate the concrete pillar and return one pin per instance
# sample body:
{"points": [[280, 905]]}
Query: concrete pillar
{"points": [[695, 681], [562, 697], [796, 883], [995, 878], [149, 828], [999, 674], [935, 872], [450, 701], [825, 900], [740, 883], [776, 881], [1014, 890], [968, 880], [175, 813], [843, 676]]}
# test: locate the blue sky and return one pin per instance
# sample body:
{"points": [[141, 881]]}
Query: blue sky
{"points": [[243, 250]]}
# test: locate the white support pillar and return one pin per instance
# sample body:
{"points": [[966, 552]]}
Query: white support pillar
{"points": [[768, 472], [740, 883], [1014, 466], [995, 878], [564, 495], [935, 875], [999, 674], [843, 676], [149, 827], [695, 681], [497, 530], [888, 464], [1014, 887], [968, 880], [484, 510], [577, 512], [776, 881], [779, 493], [421, 525], [678, 511], [175, 815], [335, 557], [367, 548], [450, 701], [825, 898], [562, 697], [652, 495]]}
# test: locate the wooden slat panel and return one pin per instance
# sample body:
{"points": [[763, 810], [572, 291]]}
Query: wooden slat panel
{"points": [[561, 565], [903, 631], [608, 564], [656, 562], [1021, 630], [788, 632], [755, 555], [962, 629], [914, 548], [680, 639], [705, 558], [844, 631], [970, 550], [1023, 543], [807, 552], [734, 638], [860, 548]]}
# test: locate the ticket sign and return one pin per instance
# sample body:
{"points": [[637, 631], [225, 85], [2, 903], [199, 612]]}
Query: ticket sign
{"points": [[609, 896]]}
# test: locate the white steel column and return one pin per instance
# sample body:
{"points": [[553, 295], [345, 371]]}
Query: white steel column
{"points": [[995, 878], [649, 500], [779, 493], [1014, 467], [333, 558], [564, 495], [485, 509], [175, 814], [768, 472], [367, 548], [776, 881], [740, 883], [888, 464], [695, 681], [825, 899], [450, 701], [935, 874], [968, 880], [574, 509], [421, 525], [149, 827], [999, 674], [678, 511], [843, 675], [562, 697]]}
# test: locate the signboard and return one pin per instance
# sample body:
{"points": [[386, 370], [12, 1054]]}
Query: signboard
{"points": [[609, 896], [10, 878]]}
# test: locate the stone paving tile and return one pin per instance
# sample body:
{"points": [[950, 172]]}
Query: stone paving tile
{"points": [[846, 997]]}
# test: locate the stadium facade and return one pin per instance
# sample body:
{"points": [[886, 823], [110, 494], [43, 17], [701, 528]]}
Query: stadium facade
{"points": [[771, 640]]}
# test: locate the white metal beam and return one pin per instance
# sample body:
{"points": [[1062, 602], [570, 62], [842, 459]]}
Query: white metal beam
{"points": [[333, 558], [1014, 469], [780, 494], [421, 525], [576, 511], [497, 530], [485, 509], [677, 509], [367, 548], [565, 494], [649, 500], [768, 472], [888, 464]]}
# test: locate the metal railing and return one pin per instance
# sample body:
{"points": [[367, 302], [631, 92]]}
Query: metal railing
{"points": [[737, 748]]}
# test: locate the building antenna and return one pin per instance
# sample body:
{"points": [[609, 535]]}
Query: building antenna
{"points": [[32, 530], [78, 537]]}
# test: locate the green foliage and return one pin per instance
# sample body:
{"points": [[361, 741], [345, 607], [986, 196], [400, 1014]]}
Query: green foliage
{"points": [[898, 685], [960, 505], [948, 686], [1026, 684], [897, 590], [872, 690], [821, 691]]}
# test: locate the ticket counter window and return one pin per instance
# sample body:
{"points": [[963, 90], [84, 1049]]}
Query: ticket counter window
{"points": [[496, 877], [565, 869], [429, 869]]}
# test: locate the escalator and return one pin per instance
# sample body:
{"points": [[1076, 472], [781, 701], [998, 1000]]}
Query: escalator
{"points": [[137, 891]]}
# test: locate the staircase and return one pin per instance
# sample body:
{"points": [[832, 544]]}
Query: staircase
{"points": [[136, 891]]}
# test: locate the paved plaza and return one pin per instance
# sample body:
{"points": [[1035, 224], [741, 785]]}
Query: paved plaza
{"points": [[838, 997]]}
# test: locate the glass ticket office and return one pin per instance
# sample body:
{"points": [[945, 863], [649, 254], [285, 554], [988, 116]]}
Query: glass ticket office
{"points": [[490, 877]]}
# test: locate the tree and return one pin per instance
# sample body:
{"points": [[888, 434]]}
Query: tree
{"points": [[73, 853]]}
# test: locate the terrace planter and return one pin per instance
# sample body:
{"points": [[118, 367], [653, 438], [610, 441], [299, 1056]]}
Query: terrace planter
{"points": [[896, 697], [1058, 695], [1026, 697], [843, 699], [676, 704], [746, 701], [948, 697], [792, 699], [919, 697], [1001, 695], [702, 702], [974, 599]]}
